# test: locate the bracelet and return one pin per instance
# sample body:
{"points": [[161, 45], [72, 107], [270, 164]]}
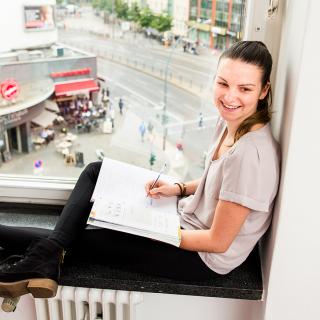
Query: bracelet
{"points": [[184, 189], [180, 187]]}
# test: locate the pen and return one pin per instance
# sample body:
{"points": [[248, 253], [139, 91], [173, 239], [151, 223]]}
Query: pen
{"points": [[160, 173]]}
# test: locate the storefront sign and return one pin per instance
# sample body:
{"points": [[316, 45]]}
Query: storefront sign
{"points": [[14, 117], [9, 89], [70, 73]]}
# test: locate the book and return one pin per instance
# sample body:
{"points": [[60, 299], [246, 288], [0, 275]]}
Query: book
{"points": [[120, 203]]}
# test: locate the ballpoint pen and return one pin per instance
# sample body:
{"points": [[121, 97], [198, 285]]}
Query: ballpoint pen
{"points": [[155, 181]]}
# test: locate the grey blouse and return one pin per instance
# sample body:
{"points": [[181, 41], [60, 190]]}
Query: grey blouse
{"points": [[247, 174]]}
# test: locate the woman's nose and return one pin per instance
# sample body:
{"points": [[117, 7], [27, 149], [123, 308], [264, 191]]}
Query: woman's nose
{"points": [[230, 95]]}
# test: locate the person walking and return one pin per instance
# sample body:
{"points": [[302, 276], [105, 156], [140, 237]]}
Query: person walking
{"points": [[150, 127], [112, 116], [142, 129], [200, 123], [121, 106]]}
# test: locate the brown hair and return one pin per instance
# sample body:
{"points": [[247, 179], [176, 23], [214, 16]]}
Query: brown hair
{"points": [[253, 52]]}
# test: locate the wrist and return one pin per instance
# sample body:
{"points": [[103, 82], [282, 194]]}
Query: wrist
{"points": [[177, 189], [182, 189]]}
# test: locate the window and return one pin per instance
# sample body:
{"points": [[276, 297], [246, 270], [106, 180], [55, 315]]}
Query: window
{"points": [[87, 80]]}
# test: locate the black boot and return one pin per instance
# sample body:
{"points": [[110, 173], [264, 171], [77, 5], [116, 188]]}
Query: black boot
{"points": [[36, 273]]}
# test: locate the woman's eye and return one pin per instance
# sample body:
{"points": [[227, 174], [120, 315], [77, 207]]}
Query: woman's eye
{"points": [[222, 84], [245, 89]]}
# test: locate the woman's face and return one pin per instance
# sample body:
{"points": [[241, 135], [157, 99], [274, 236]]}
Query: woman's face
{"points": [[237, 89]]}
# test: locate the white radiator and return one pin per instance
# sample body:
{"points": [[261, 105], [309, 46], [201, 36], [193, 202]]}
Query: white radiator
{"points": [[74, 303]]}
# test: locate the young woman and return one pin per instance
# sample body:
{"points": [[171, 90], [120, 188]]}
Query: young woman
{"points": [[223, 214]]}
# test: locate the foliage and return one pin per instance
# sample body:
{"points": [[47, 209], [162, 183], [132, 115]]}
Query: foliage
{"points": [[103, 5], [134, 13], [122, 10], [162, 23], [146, 18]]}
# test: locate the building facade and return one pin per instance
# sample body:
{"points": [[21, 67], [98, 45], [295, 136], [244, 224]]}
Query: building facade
{"points": [[36, 73], [226, 24], [180, 15]]}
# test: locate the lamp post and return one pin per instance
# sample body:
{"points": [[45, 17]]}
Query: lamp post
{"points": [[164, 117]]}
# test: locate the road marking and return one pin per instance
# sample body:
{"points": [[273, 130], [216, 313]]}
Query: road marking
{"points": [[130, 91]]}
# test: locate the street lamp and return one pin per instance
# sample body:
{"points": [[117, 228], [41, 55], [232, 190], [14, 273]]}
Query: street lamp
{"points": [[165, 92]]}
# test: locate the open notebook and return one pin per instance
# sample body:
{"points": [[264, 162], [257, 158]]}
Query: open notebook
{"points": [[120, 203]]}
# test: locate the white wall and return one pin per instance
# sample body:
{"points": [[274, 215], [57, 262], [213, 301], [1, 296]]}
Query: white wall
{"points": [[14, 36], [292, 261]]}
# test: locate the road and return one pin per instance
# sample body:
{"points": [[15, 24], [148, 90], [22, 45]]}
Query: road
{"points": [[143, 92]]}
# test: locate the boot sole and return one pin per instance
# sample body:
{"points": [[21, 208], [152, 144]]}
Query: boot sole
{"points": [[39, 288]]}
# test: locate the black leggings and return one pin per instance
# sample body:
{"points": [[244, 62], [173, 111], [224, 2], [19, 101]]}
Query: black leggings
{"points": [[118, 249]]}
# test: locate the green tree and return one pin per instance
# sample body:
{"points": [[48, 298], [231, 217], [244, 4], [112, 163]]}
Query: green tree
{"points": [[122, 10], [103, 5], [162, 23], [146, 18], [134, 13], [95, 4]]}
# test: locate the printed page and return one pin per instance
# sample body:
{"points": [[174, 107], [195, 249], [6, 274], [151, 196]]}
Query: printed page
{"points": [[136, 216], [120, 200], [124, 182]]}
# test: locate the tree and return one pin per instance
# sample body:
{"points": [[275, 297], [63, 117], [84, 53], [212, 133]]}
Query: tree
{"points": [[134, 13], [146, 18], [95, 4], [162, 23], [122, 10]]}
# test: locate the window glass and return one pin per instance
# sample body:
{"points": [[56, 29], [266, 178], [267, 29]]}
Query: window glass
{"points": [[129, 80]]}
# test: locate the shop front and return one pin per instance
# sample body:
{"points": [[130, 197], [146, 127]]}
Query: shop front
{"points": [[18, 111]]}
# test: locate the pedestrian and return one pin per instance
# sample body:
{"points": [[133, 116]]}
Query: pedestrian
{"points": [[184, 47], [112, 116], [104, 100], [142, 129], [223, 214], [121, 106], [200, 123], [108, 92], [150, 127]]}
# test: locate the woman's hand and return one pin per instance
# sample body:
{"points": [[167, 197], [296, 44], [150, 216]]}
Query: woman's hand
{"points": [[161, 189]]}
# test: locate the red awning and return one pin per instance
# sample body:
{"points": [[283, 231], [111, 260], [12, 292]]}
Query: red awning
{"points": [[76, 87]]}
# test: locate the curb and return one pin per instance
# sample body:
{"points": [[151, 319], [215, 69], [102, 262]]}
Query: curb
{"points": [[174, 83]]}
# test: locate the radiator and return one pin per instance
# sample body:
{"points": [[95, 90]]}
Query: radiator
{"points": [[75, 303]]}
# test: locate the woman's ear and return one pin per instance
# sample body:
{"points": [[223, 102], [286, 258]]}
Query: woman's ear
{"points": [[264, 91]]}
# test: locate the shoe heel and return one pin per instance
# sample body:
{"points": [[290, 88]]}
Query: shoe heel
{"points": [[42, 288]]}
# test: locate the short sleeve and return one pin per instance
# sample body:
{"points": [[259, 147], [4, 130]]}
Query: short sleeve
{"points": [[242, 180]]}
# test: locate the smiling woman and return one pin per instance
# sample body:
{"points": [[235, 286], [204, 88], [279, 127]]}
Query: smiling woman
{"points": [[242, 91]]}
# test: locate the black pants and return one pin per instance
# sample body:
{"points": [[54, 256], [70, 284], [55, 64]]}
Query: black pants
{"points": [[122, 250]]}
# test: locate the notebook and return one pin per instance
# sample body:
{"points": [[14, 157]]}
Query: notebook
{"points": [[120, 203]]}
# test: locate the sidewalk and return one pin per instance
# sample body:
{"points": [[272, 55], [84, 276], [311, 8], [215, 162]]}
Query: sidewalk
{"points": [[124, 145]]}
